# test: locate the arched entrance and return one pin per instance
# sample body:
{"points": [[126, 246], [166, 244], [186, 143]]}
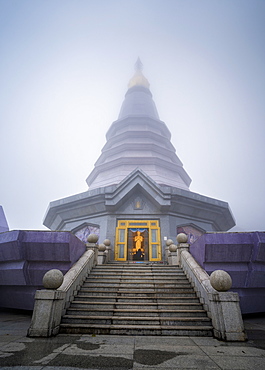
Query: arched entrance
{"points": [[138, 240]]}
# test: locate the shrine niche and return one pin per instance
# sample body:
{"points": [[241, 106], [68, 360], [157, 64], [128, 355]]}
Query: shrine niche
{"points": [[192, 231], [86, 230]]}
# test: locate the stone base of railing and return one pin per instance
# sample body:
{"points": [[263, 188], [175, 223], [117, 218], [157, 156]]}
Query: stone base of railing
{"points": [[226, 316], [221, 306], [51, 304], [47, 313]]}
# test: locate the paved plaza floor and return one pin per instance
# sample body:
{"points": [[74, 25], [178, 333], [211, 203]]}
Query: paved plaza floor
{"points": [[74, 352]]}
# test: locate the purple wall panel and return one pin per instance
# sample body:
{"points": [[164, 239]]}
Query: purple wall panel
{"points": [[10, 248], [242, 255], [25, 256]]}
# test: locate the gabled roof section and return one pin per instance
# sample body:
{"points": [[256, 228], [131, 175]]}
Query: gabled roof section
{"points": [[142, 182]]}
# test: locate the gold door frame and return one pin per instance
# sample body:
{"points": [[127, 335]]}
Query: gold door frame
{"points": [[121, 239]]}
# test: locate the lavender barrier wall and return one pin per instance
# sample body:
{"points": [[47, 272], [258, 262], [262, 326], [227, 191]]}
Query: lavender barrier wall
{"points": [[242, 255], [25, 256]]}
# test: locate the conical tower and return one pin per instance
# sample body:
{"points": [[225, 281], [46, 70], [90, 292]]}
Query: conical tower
{"points": [[138, 139]]}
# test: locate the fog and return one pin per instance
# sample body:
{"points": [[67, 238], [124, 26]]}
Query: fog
{"points": [[64, 70]]}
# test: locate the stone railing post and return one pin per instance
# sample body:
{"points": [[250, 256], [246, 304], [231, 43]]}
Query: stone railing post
{"points": [[101, 254], [173, 255], [92, 245], [48, 307], [108, 249], [182, 243], [168, 243]]}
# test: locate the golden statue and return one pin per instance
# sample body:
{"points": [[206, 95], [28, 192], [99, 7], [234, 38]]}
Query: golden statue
{"points": [[138, 240]]}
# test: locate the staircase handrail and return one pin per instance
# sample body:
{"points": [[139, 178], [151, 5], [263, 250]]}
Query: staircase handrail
{"points": [[51, 304], [222, 307], [75, 277]]}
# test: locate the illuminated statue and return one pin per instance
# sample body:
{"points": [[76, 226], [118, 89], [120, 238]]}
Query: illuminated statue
{"points": [[138, 240]]}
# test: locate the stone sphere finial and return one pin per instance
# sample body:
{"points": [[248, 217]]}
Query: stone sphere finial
{"points": [[53, 279], [107, 242], [172, 248], [101, 247], [92, 238], [182, 238], [220, 280], [169, 242]]}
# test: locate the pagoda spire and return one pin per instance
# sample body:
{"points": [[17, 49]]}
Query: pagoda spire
{"points": [[138, 78], [138, 65], [138, 139]]}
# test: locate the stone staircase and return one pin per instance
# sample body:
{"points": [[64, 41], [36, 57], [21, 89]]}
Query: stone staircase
{"points": [[136, 299]]}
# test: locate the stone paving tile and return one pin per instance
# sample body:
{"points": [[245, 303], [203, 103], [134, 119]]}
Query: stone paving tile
{"points": [[8, 350], [239, 363], [108, 339], [22, 368], [201, 341], [26, 354], [96, 349], [186, 350], [66, 368], [9, 338], [177, 362], [12, 329], [182, 341], [234, 351], [10, 326], [86, 360], [59, 339], [25, 339]]}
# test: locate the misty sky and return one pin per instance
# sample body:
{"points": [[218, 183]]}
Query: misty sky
{"points": [[64, 69]]}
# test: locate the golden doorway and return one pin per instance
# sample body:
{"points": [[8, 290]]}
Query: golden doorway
{"points": [[138, 241]]}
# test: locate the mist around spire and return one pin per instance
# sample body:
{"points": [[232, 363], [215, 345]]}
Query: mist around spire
{"points": [[138, 65], [138, 79]]}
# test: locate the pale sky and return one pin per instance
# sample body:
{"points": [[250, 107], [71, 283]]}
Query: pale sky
{"points": [[64, 69]]}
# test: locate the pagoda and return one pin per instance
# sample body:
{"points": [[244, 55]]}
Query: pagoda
{"points": [[138, 187]]}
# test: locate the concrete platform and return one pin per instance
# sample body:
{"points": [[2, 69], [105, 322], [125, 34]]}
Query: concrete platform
{"points": [[73, 352]]}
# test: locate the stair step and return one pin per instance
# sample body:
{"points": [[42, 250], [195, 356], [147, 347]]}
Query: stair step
{"points": [[135, 312], [103, 292], [110, 305], [136, 299], [132, 273], [140, 270], [126, 278], [136, 285], [128, 320], [137, 329]]}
